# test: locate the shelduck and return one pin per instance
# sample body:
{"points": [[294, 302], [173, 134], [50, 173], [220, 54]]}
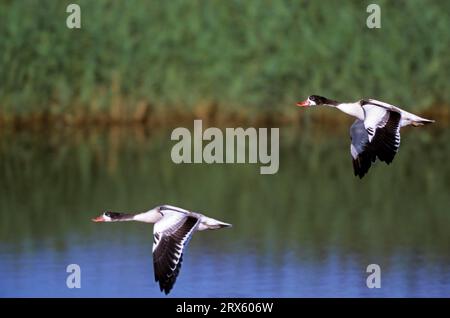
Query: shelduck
{"points": [[171, 233], [376, 130]]}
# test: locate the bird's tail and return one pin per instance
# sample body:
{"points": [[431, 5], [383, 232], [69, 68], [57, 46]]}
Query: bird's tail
{"points": [[414, 120], [421, 121], [207, 223]]}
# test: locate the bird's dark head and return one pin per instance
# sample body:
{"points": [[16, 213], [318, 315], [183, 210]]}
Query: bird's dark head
{"points": [[316, 100], [109, 216]]}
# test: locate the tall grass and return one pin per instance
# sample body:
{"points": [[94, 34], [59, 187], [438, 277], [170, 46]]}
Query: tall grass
{"points": [[133, 58]]}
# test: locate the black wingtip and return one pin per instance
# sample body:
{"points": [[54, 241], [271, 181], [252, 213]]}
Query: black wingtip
{"points": [[361, 166], [166, 287]]}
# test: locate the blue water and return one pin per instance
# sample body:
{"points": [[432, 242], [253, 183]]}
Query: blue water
{"points": [[311, 230], [113, 269]]}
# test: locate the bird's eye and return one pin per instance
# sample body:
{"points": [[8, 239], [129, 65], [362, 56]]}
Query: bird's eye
{"points": [[108, 214]]}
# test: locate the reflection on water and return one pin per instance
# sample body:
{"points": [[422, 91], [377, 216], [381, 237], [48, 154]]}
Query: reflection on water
{"points": [[310, 230]]}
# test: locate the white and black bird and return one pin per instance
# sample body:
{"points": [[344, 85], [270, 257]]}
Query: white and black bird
{"points": [[376, 130], [171, 233]]}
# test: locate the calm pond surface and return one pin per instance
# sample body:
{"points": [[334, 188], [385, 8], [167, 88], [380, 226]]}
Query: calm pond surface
{"points": [[308, 231]]}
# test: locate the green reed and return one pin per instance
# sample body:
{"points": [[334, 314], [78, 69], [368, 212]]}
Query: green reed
{"points": [[133, 58]]}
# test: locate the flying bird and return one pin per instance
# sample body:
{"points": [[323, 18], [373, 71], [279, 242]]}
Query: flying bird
{"points": [[376, 130], [171, 233]]}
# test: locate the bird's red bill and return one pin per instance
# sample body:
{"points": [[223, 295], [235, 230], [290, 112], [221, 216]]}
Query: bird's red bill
{"points": [[99, 219], [303, 104]]}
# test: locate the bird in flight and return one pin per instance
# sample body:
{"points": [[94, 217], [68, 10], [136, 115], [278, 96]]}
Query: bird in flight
{"points": [[376, 130], [172, 230]]}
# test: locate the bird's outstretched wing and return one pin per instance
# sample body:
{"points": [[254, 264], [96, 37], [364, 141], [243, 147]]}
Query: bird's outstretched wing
{"points": [[383, 127], [381, 104], [378, 136], [362, 156], [170, 236]]}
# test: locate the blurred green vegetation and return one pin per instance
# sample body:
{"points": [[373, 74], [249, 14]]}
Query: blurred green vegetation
{"points": [[53, 184], [132, 59]]}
